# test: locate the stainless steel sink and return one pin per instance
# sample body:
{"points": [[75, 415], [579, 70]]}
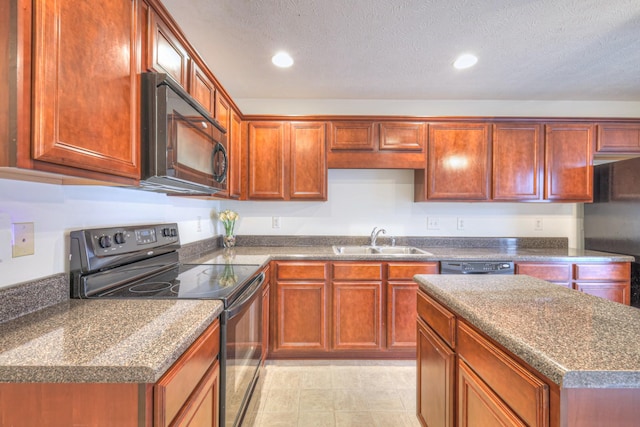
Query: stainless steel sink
{"points": [[379, 250]]}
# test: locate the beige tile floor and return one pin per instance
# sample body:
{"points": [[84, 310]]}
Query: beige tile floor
{"points": [[336, 393]]}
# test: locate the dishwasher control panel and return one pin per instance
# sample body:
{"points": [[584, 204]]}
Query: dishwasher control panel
{"points": [[476, 267]]}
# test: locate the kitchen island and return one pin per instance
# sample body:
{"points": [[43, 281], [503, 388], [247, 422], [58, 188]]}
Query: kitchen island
{"points": [[521, 351]]}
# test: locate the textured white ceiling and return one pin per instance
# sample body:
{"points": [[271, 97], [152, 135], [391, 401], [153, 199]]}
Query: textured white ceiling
{"points": [[404, 49]]}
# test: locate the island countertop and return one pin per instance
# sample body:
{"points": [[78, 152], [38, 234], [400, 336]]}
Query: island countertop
{"points": [[104, 340], [576, 340]]}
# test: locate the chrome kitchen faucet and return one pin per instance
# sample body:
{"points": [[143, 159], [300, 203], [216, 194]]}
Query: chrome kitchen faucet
{"points": [[374, 234]]}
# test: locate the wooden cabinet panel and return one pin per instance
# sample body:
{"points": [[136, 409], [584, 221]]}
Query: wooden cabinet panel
{"points": [[357, 320], [441, 320], [558, 273], [618, 138], [357, 271], [308, 168], [234, 152], [301, 270], [406, 271], [568, 162], [352, 136], [266, 293], [223, 110], [517, 161], [69, 114], [202, 89], [301, 316], [401, 315], [613, 291], [268, 155], [167, 53], [203, 409], [478, 405], [524, 393], [436, 379], [407, 136], [458, 161], [609, 271], [174, 387]]}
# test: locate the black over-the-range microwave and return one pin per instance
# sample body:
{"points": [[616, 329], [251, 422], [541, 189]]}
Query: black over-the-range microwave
{"points": [[183, 147]]}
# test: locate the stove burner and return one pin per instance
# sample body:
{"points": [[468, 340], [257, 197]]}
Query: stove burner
{"points": [[150, 287]]}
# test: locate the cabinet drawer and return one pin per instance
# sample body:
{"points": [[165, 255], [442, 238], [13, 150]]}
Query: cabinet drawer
{"points": [[521, 390], [550, 272], [610, 272], [438, 318], [174, 388], [406, 271], [357, 271], [301, 270]]}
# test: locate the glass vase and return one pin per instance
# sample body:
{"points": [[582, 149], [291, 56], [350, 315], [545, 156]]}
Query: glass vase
{"points": [[229, 241]]}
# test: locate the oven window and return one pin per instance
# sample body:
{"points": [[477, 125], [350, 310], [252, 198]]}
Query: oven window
{"points": [[244, 350]]}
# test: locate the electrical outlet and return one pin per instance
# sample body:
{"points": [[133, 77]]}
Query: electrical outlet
{"points": [[23, 239], [433, 223], [199, 224], [275, 222], [538, 224], [460, 223]]}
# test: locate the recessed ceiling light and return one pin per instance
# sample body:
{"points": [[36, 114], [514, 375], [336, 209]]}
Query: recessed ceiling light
{"points": [[282, 59], [465, 61]]}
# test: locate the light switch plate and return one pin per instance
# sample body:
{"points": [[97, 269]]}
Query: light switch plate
{"points": [[23, 239]]}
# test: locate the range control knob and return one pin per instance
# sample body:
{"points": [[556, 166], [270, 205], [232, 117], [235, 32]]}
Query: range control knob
{"points": [[104, 241], [119, 238], [166, 232], [174, 232]]}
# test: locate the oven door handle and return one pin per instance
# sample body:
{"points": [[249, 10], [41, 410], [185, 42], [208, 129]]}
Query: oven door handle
{"points": [[248, 293]]}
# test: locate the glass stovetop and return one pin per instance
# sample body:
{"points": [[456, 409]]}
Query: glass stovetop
{"points": [[189, 281]]}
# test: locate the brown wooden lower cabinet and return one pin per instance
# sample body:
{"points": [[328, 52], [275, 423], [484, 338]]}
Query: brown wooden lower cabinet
{"points": [[611, 280], [345, 308], [187, 394]]}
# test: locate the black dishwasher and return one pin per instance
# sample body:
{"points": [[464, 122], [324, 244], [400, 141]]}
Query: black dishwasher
{"points": [[476, 267]]}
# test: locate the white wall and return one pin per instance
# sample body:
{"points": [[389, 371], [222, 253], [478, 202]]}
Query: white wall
{"points": [[55, 210], [362, 199]]}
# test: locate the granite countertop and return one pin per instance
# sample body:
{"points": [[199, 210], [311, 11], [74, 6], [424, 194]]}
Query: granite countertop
{"points": [[263, 254], [575, 339], [102, 340]]}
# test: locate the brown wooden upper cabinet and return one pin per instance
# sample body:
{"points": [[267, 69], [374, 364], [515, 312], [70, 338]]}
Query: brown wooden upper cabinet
{"points": [[287, 161], [569, 162], [458, 162], [68, 130], [618, 138], [373, 144], [518, 159], [167, 54], [202, 89], [234, 152]]}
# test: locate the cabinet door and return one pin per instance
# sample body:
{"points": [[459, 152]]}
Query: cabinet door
{"points": [[85, 86], [409, 136], [436, 379], [458, 161], [223, 110], [618, 138], [234, 152], [357, 315], [202, 89], [308, 157], [479, 405], [568, 162], [613, 291], [402, 299], [352, 136], [202, 408], [301, 316], [517, 162], [267, 160], [168, 55]]}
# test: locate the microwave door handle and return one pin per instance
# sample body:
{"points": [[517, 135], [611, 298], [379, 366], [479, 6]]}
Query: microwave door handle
{"points": [[219, 165]]}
